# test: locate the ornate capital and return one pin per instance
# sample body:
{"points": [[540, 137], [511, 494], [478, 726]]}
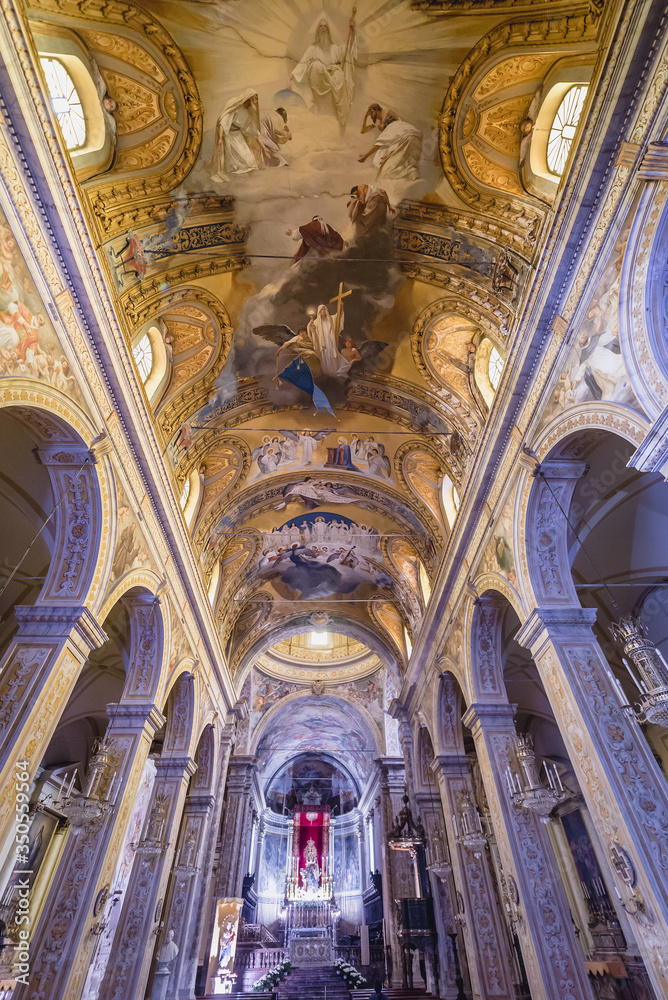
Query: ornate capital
{"points": [[492, 717], [65, 456], [136, 715], [564, 468], [546, 623], [61, 622]]}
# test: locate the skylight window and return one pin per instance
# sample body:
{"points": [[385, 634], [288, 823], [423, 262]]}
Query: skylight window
{"points": [[495, 367], [319, 638], [65, 102], [143, 355], [564, 127]]}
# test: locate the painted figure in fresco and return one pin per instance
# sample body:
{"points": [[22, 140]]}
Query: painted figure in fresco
{"points": [[227, 936], [325, 330], [275, 133], [239, 146], [397, 149], [309, 441], [300, 345], [329, 71], [316, 237], [133, 258], [343, 456], [368, 208], [127, 550]]}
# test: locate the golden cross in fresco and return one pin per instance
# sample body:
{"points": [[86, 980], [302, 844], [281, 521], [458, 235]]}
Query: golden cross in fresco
{"points": [[338, 298]]}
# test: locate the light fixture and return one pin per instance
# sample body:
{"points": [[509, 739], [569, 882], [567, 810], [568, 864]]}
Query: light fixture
{"points": [[525, 786], [652, 677], [468, 827], [87, 809]]}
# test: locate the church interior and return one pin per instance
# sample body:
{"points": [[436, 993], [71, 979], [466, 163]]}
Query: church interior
{"points": [[333, 608]]}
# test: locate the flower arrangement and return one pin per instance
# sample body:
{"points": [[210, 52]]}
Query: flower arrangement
{"points": [[269, 979], [352, 976]]}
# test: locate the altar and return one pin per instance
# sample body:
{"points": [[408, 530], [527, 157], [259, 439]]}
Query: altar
{"points": [[311, 910]]}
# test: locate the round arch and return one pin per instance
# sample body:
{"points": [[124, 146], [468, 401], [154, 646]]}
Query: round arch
{"points": [[284, 707], [65, 438]]}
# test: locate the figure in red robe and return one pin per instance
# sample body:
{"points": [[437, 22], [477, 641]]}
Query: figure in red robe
{"points": [[316, 237]]}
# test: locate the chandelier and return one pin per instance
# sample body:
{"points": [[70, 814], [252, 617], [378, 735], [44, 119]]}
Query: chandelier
{"points": [[525, 786], [468, 826], [652, 677], [88, 808]]}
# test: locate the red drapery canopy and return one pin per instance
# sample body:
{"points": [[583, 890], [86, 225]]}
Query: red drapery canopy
{"points": [[310, 839]]}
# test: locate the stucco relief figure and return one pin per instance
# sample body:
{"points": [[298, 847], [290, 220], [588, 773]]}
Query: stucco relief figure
{"points": [[397, 149], [329, 71], [239, 146]]}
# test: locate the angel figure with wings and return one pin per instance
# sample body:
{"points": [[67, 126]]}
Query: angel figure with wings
{"points": [[313, 344], [308, 442]]}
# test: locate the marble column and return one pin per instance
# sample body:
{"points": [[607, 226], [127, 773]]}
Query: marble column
{"points": [[396, 866], [37, 677], [553, 959], [484, 936], [132, 950], [623, 787], [62, 946], [236, 826], [188, 892]]}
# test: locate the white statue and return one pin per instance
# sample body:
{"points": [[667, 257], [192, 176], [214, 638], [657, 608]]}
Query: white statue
{"points": [[169, 950]]}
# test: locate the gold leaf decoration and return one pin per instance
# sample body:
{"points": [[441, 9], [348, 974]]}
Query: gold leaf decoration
{"points": [[148, 154], [137, 105]]}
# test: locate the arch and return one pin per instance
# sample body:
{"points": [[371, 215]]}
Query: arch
{"points": [[186, 665], [642, 310], [141, 579], [204, 778], [82, 486], [96, 153], [485, 647], [283, 707], [150, 619], [276, 631], [450, 708], [179, 709], [483, 324], [425, 753], [553, 443]]}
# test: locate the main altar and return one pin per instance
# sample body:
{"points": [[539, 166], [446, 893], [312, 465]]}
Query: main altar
{"points": [[309, 898]]}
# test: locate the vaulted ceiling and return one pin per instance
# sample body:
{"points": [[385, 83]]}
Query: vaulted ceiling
{"points": [[316, 469]]}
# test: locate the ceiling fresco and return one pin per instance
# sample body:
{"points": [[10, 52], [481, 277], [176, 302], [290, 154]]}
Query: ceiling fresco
{"points": [[322, 216]]}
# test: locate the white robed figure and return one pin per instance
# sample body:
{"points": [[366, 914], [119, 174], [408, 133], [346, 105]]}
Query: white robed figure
{"points": [[329, 70], [324, 333], [397, 149], [238, 138]]}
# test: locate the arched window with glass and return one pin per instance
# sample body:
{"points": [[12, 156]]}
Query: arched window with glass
{"points": [[495, 367], [66, 102], [564, 126], [143, 355]]}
